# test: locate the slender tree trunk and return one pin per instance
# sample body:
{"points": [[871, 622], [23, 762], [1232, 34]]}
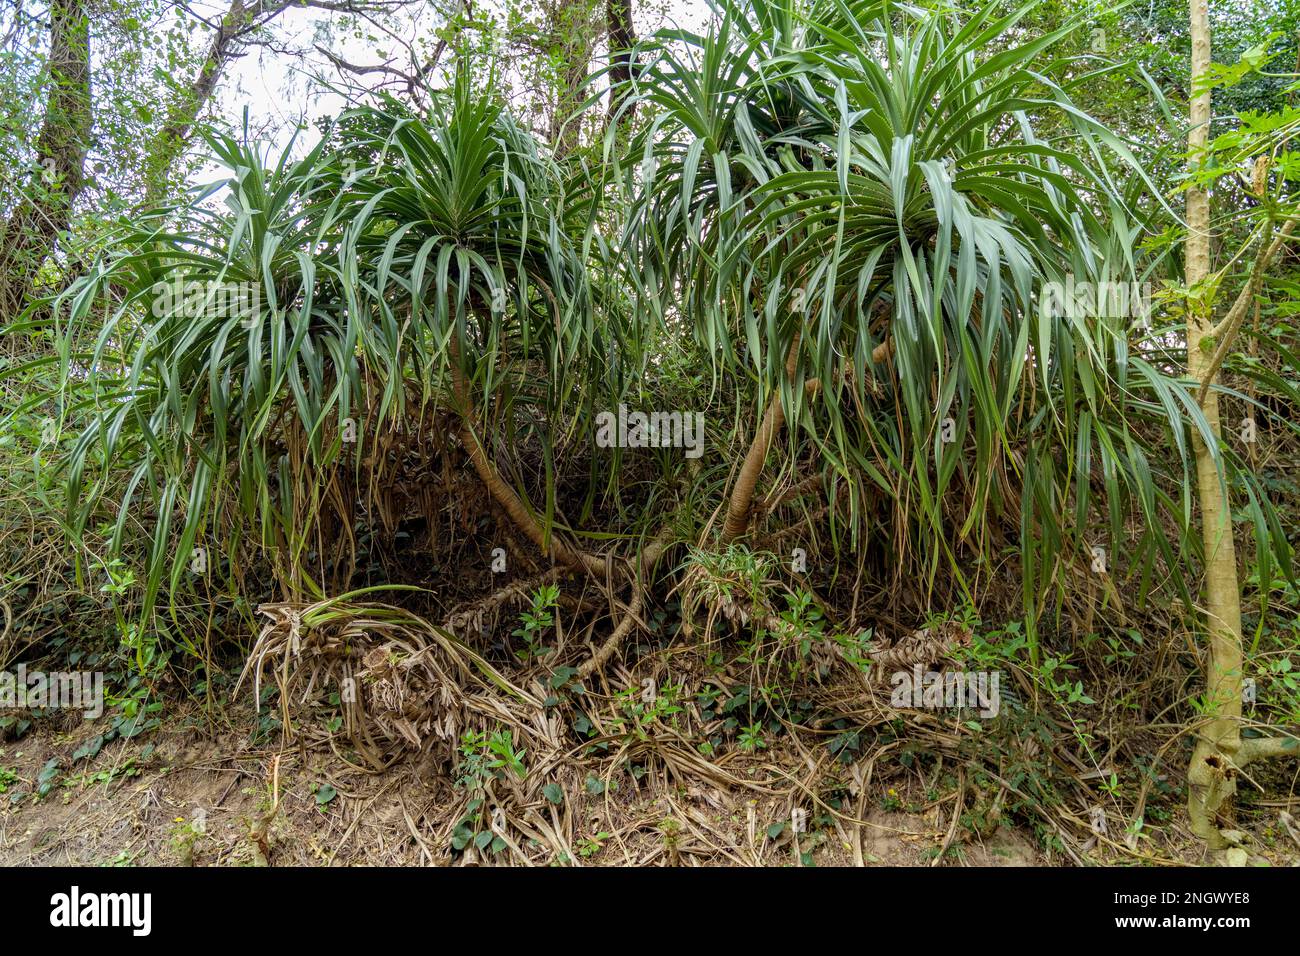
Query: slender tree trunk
{"points": [[575, 26], [1212, 774], [621, 38], [30, 233], [188, 107]]}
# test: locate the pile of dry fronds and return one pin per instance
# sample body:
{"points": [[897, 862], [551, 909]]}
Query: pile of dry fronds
{"points": [[402, 683]]}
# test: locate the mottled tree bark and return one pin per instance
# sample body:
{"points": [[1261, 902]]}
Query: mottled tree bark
{"points": [[188, 107], [1212, 774], [621, 39], [29, 235], [1220, 752], [573, 26]]}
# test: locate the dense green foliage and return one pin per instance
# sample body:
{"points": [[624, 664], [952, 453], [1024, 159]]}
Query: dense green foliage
{"points": [[850, 218]]}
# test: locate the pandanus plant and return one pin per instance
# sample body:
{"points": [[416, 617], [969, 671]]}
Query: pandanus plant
{"points": [[210, 327], [403, 260], [859, 206], [462, 231]]}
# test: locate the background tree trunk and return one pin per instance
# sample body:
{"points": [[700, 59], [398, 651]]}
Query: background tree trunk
{"points": [[574, 25], [621, 39], [29, 235], [186, 110]]}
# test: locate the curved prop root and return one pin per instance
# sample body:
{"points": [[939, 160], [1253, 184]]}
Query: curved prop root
{"points": [[649, 558], [612, 643], [498, 488], [519, 513]]}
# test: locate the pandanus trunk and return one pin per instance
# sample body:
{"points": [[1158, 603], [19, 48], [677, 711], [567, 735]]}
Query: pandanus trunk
{"points": [[742, 495]]}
